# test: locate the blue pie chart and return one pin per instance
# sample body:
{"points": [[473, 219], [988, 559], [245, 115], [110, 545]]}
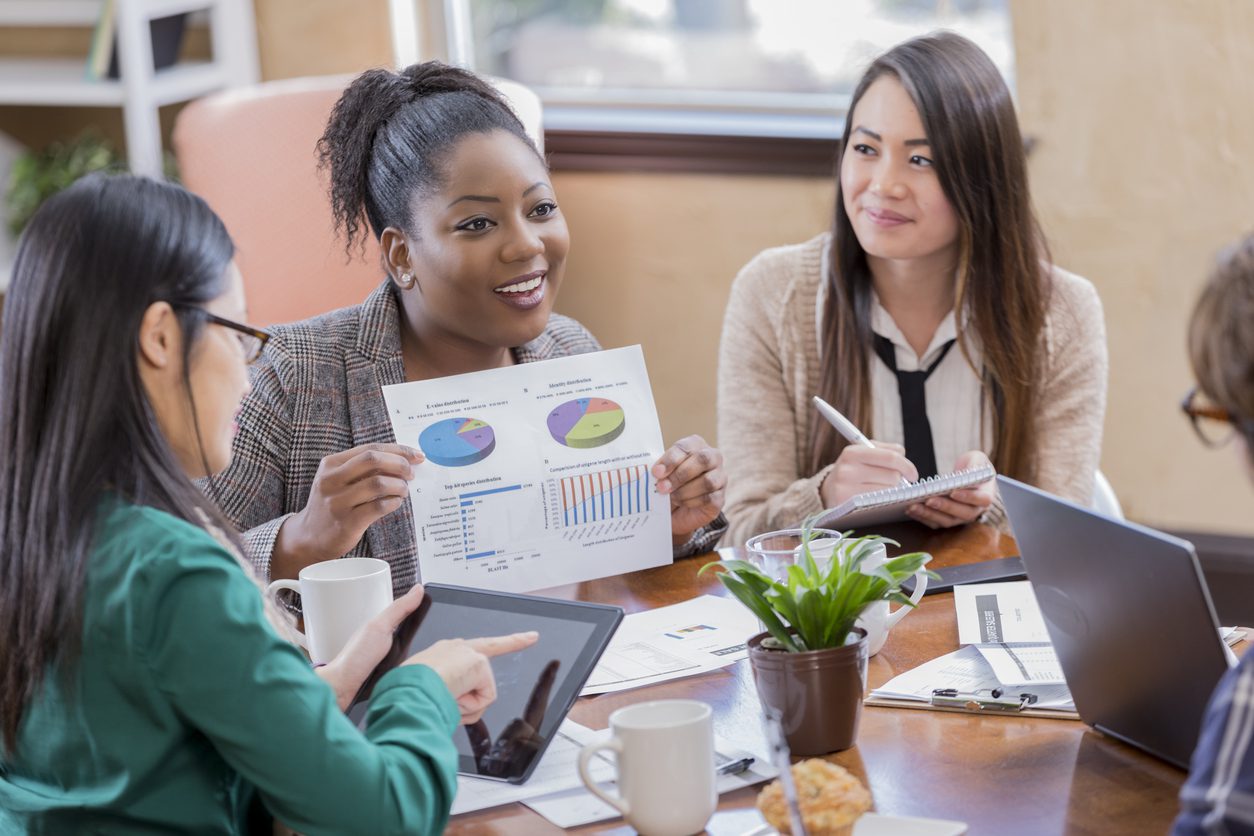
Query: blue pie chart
{"points": [[457, 442]]}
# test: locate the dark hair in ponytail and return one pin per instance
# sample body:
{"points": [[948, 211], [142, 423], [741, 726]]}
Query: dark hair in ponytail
{"points": [[75, 422], [389, 132]]}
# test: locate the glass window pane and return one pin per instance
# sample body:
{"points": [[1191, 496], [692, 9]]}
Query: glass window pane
{"points": [[713, 51]]}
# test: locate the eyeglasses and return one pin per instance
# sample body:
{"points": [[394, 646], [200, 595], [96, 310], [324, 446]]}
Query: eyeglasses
{"points": [[252, 340], [1214, 425]]}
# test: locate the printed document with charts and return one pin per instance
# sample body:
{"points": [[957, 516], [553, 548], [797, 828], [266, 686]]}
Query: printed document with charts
{"points": [[693, 637], [1004, 622], [537, 474], [1008, 649]]}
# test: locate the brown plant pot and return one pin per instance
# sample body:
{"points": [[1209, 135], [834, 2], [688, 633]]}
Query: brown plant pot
{"points": [[817, 693]]}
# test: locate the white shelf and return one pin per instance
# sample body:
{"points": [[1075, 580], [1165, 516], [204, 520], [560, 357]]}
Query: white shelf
{"points": [[63, 82], [156, 9], [53, 13], [49, 12]]}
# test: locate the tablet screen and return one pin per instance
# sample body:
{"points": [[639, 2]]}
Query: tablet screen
{"points": [[535, 686]]}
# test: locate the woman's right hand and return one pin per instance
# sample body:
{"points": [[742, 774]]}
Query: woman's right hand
{"points": [[464, 667], [351, 491], [860, 469]]}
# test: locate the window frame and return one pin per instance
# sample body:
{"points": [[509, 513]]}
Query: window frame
{"points": [[680, 131]]}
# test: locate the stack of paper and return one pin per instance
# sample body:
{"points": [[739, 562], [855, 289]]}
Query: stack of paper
{"points": [[696, 636], [1004, 622], [967, 672], [1009, 651]]}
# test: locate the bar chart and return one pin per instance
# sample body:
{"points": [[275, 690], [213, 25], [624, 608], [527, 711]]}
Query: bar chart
{"points": [[605, 495]]}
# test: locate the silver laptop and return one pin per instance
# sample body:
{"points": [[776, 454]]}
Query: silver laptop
{"points": [[1130, 618]]}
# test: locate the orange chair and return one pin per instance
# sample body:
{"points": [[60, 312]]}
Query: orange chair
{"points": [[250, 153]]}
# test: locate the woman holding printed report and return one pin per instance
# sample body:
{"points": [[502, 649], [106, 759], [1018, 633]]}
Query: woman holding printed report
{"points": [[433, 163], [930, 316]]}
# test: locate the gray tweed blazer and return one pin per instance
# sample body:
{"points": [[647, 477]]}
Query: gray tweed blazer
{"points": [[318, 391]]}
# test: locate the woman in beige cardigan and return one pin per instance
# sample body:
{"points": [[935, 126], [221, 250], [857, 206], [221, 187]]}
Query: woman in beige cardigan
{"points": [[931, 316]]}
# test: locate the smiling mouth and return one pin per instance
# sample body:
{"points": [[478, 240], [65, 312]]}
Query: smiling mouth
{"points": [[885, 216], [521, 285]]}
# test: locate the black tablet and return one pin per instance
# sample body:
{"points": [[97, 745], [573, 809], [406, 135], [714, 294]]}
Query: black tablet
{"points": [[985, 571], [535, 687]]}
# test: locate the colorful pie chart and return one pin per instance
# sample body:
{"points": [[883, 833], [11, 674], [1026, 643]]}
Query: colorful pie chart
{"points": [[586, 422], [457, 442]]}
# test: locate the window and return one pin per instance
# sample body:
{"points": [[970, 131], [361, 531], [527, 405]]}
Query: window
{"points": [[761, 68]]}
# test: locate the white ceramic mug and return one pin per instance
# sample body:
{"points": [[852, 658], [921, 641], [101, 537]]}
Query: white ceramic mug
{"points": [[664, 752], [877, 619], [337, 597]]}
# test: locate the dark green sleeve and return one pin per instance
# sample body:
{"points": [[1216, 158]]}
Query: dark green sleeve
{"points": [[203, 634]]}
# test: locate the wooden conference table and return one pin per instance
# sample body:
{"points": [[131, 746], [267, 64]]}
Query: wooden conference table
{"points": [[999, 774]]}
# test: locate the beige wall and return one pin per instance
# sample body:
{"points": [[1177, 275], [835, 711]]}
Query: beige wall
{"points": [[321, 37], [1145, 167], [653, 256]]}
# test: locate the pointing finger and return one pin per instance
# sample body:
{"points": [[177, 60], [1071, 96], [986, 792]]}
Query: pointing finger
{"points": [[499, 645]]}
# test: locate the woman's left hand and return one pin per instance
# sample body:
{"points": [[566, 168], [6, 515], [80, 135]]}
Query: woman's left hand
{"points": [[691, 473], [961, 506], [366, 649]]}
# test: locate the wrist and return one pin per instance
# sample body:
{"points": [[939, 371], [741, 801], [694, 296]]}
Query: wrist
{"points": [[827, 487], [330, 674], [291, 551]]}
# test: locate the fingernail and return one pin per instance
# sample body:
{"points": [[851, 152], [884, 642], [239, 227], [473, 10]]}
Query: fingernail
{"points": [[663, 486]]}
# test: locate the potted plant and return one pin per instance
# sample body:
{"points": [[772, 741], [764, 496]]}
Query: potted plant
{"points": [[810, 663], [38, 175]]}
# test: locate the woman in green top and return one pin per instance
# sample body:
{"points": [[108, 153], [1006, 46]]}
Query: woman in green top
{"points": [[144, 684]]}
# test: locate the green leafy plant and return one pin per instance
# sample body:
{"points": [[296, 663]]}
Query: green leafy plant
{"points": [[38, 175], [815, 607]]}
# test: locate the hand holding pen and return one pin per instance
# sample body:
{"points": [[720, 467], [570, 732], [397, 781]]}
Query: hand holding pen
{"points": [[863, 465]]}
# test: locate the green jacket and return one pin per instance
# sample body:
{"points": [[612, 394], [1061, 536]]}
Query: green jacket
{"points": [[185, 699]]}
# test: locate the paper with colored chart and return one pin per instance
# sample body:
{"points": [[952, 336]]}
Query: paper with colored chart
{"points": [[536, 475], [697, 636]]}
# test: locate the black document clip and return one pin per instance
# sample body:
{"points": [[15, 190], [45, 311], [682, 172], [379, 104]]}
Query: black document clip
{"points": [[995, 700]]}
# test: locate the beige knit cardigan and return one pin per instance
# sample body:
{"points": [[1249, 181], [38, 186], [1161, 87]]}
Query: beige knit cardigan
{"points": [[769, 369]]}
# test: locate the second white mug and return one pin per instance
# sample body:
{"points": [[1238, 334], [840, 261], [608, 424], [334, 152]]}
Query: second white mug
{"points": [[664, 751], [337, 597]]}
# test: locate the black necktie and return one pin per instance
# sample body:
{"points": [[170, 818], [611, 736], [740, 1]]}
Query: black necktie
{"points": [[918, 430]]}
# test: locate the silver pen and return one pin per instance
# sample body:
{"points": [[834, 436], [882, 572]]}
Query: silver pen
{"points": [[783, 762], [845, 427]]}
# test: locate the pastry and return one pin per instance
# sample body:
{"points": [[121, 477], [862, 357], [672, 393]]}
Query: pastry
{"points": [[831, 799]]}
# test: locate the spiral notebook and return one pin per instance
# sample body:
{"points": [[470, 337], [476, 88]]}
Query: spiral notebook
{"points": [[889, 505]]}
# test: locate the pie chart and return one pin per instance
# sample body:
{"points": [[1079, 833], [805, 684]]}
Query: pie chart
{"points": [[457, 442], [586, 422]]}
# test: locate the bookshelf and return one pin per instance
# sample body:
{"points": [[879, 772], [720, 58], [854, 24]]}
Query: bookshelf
{"points": [[63, 82]]}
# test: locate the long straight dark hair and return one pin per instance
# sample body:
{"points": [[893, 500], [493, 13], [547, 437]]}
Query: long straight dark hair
{"points": [[75, 423], [1003, 261]]}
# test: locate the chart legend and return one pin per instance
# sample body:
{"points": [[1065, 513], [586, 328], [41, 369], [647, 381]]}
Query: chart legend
{"points": [[457, 442], [586, 422]]}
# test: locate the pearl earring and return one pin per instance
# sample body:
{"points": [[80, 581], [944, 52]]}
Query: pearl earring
{"points": [[407, 280]]}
